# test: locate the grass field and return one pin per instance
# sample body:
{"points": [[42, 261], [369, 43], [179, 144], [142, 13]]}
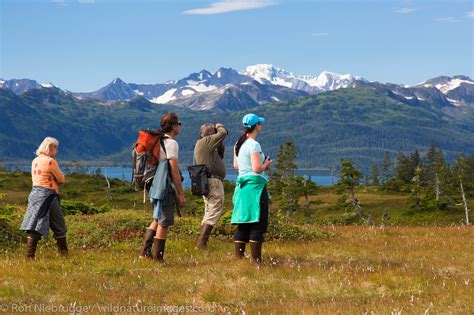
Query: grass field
{"points": [[359, 269], [309, 267]]}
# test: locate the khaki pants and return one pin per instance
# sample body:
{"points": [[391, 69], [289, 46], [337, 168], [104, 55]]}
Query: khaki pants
{"points": [[213, 202]]}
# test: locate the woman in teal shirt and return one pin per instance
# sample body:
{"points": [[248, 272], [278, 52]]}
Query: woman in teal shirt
{"points": [[250, 196]]}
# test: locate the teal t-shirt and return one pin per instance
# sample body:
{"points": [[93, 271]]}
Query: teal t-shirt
{"points": [[245, 164]]}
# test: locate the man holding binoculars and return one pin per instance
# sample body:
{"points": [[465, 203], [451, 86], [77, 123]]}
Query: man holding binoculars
{"points": [[209, 150]]}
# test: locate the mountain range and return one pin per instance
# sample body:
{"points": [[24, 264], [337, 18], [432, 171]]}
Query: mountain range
{"points": [[328, 116], [228, 90], [224, 90]]}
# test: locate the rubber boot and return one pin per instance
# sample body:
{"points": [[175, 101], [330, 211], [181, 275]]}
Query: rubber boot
{"points": [[206, 230], [239, 249], [147, 244], [61, 243], [31, 244], [256, 251], [158, 250]]}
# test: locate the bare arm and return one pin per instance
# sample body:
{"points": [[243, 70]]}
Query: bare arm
{"points": [[257, 165], [174, 165], [236, 164], [174, 168]]}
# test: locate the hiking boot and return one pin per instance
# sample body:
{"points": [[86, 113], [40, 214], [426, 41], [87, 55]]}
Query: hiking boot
{"points": [[206, 230], [158, 250], [61, 243], [31, 244], [256, 252], [147, 244], [239, 249]]}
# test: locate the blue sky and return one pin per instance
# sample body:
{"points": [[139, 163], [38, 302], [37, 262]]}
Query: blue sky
{"points": [[81, 45]]}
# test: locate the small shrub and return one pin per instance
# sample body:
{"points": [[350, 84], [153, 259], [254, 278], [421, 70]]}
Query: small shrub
{"points": [[124, 189], [10, 221], [395, 185], [105, 229], [278, 228], [73, 207]]}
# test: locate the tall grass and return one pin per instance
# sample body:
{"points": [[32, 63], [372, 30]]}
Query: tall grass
{"points": [[360, 269]]}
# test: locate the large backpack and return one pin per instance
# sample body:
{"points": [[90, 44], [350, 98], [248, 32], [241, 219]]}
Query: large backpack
{"points": [[145, 157], [199, 175]]}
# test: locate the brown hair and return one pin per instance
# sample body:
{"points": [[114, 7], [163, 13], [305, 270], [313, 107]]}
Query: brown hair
{"points": [[168, 121], [242, 138]]}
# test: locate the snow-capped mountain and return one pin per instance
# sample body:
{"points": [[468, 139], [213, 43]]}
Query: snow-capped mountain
{"points": [[228, 89], [325, 81], [458, 89], [441, 93], [235, 97], [19, 86], [446, 84]]}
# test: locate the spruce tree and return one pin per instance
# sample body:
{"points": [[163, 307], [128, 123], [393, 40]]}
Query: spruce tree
{"points": [[349, 178], [403, 169], [415, 160], [374, 174], [284, 183], [386, 165]]}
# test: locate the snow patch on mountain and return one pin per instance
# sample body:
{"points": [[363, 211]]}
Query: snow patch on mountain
{"points": [[454, 102], [186, 92], [446, 84], [166, 97], [407, 97], [451, 85], [203, 88]]}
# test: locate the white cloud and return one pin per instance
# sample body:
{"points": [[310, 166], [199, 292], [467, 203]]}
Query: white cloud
{"points": [[447, 19], [230, 6], [470, 14], [320, 34], [405, 10]]}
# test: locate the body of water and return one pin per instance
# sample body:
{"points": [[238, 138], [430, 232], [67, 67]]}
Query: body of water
{"points": [[125, 173]]}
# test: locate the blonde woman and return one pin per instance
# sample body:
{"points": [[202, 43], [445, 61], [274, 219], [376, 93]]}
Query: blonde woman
{"points": [[44, 210]]}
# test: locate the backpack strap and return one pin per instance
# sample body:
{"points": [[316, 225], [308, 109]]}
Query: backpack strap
{"points": [[150, 153], [162, 142], [213, 162]]}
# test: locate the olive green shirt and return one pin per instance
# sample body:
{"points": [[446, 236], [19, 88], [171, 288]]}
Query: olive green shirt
{"points": [[205, 148]]}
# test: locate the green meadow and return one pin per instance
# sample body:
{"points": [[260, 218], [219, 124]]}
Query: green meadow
{"points": [[318, 260]]}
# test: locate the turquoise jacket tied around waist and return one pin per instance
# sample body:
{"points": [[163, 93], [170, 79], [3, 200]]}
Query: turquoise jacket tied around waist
{"points": [[159, 189], [247, 194]]}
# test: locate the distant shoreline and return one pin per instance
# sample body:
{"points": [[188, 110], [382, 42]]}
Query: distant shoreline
{"points": [[95, 164]]}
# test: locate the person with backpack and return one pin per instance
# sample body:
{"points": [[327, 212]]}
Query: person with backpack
{"points": [[167, 182], [251, 199], [209, 151], [44, 210]]}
